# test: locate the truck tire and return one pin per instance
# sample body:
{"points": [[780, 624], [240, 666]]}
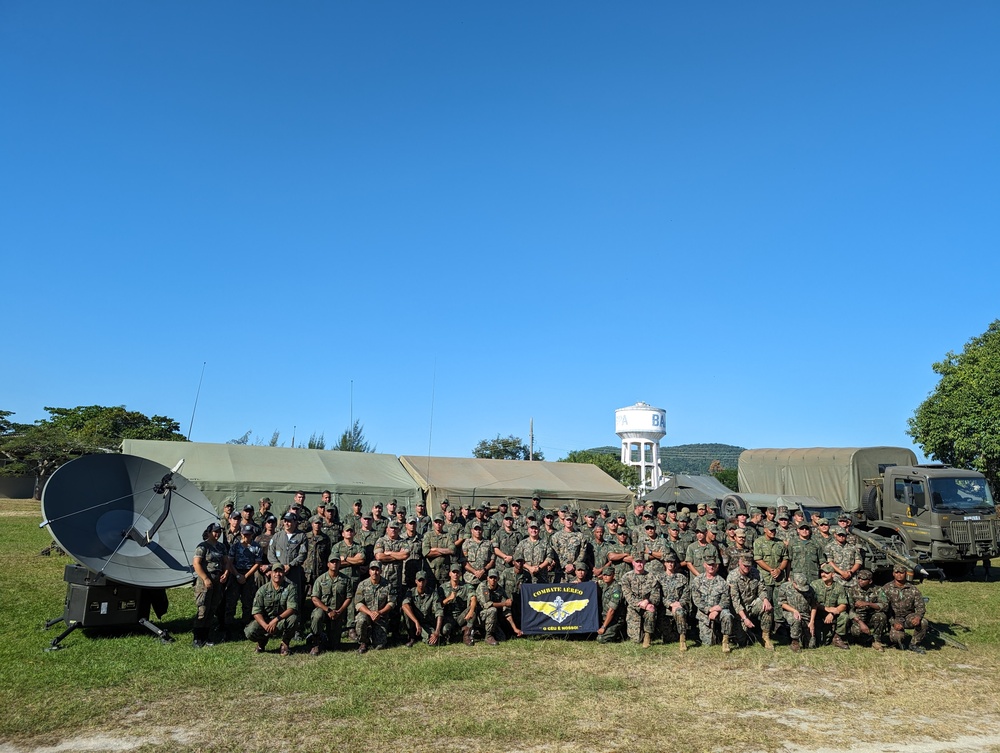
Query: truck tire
{"points": [[733, 504], [869, 503]]}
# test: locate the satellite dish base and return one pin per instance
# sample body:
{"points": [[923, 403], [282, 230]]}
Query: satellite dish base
{"points": [[93, 601]]}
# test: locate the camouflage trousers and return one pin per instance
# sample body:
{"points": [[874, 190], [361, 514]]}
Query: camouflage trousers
{"points": [[239, 594], [285, 630], [208, 602], [454, 623], [612, 633], [708, 628], [897, 636], [427, 625], [639, 622], [326, 630], [489, 617], [798, 629], [374, 633], [878, 624], [671, 625], [825, 631], [764, 620]]}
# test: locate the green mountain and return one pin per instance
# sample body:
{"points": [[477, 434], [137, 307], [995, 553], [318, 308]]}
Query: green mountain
{"points": [[693, 459]]}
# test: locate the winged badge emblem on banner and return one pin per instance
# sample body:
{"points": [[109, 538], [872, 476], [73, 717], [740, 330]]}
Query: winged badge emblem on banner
{"points": [[558, 609]]}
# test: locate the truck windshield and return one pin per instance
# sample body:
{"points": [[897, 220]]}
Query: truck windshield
{"points": [[961, 495]]}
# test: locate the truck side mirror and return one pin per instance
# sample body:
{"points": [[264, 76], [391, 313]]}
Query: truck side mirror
{"points": [[908, 496]]}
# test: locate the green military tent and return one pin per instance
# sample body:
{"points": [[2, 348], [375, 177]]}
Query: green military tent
{"points": [[476, 481], [245, 474]]}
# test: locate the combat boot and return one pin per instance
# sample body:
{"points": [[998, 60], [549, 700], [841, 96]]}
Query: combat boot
{"points": [[725, 644], [467, 635], [796, 646], [918, 649], [683, 644], [839, 642], [646, 640], [878, 646], [766, 635]]}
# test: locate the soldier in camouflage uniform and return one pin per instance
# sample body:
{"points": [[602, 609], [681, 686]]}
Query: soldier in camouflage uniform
{"points": [[771, 556], [652, 548], [478, 555], [438, 549], [391, 551], [906, 611], [798, 606], [868, 609], [211, 568], [539, 559], [353, 518], [642, 595], [493, 603], [568, 547], [712, 604], [784, 532], [414, 562], [505, 543], [331, 526], [845, 558], [620, 554], [331, 598], [599, 548], [459, 602], [832, 599], [367, 536], [676, 600], [246, 557], [511, 581], [455, 530], [612, 608], [275, 612], [423, 611], [318, 547], [695, 555], [380, 523], [375, 603], [751, 599]]}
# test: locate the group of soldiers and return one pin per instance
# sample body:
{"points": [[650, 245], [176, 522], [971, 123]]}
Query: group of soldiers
{"points": [[389, 576]]}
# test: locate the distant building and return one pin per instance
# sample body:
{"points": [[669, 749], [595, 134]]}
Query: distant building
{"points": [[641, 427]]}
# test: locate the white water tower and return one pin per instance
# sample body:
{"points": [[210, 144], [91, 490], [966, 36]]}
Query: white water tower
{"points": [[641, 427]]}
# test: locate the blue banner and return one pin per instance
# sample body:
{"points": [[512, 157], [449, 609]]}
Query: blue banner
{"points": [[559, 608]]}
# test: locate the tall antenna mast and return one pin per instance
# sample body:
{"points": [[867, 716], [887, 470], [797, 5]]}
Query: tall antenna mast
{"points": [[531, 439], [196, 395]]}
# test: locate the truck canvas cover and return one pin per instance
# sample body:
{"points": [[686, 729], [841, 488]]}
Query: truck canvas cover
{"points": [[834, 475]]}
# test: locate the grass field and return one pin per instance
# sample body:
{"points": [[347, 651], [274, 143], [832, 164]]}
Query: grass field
{"points": [[134, 693]]}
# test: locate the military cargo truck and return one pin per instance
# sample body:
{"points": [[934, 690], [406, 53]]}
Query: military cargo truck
{"points": [[943, 515]]}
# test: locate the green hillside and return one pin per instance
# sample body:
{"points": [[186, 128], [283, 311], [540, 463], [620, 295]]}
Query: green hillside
{"points": [[689, 458]]}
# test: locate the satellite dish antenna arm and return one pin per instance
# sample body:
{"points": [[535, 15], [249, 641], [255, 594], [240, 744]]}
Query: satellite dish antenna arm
{"points": [[166, 488]]}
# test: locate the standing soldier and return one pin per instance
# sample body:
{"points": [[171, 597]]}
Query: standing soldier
{"points": [[478, 554], [288, 548], [505, 543], [906, 610], [423, 519], [438, 549], [642, 593], [211, 568], [771, 556], [868, 609], [845, 558], [536, 553], [374, 603], [713, 607], [353, 518], [331, 597], [414, 543], [246, 557], [318, 547], [568, 547], [804, 554], [275, 612], [494, 601]]}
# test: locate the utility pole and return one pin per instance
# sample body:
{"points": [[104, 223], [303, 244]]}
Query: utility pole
{"points": [[531, 439]]}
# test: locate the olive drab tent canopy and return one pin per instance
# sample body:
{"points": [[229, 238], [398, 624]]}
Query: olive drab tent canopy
{"points": [[834, 475], [475, 481], [247, 473], [688, 491]]}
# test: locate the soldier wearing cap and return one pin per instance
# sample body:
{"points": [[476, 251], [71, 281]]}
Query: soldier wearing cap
{"points": [[740, 545], [263, 510], [379, 522], [868, 609], [695, 555], [212, 567], [318, 546], [505, 543], [568, 547], [612, 608], [712, 603], [423, 612], [331, 526], [353, 518], [832, 611], [231, 531], [537, 554], [751, 600], [676, 600], [906, 611], [770, 554], [246, 557], [845, 558], [415, 544], [805, 555], [438, 549], [352, 567], [288, 548], [493, 603], [821, 532], [459, 602], [391, 551], [275, 612], [536, 504], [332, 595], [511, 580], [423, 519], [247, 519], [798, 607], [784, 532], [599, 549], [478, 516], [454, 528], [620, 554], [642, 595], [367, 535], [375, 604], [653, 547], [478, 554]]}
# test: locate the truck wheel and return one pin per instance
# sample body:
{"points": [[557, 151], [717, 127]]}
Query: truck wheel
{"points": [[869, 503], [732, 505]]}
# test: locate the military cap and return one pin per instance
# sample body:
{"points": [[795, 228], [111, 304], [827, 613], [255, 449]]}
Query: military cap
{"points": [[604, 508], [357, 503], [740, 533], [532, 524], [515, 503], [671, 507], [782, 508], [770, 526], [535, 496], [864, 574], [608, 572], [803, 524], [349, 527], [519, 558], [638, 556], [456, 568], [265, 499], [579, 565], [508, 516], [235, 516], [827, 568], [710, 557], [279, 568], [684, 515], [648, 514], [823, 522], [401, 511], [844, 516], [214, 527], [395, 524], [445, 502], [374, 564], [377, 506], [484, 507], [673, 527], [270, 518], [503, 503], [477, 524], [649, 526], [621, 515], [746, 557], [622, 532], [493, 574], [590, 514], [248, 529], [411, 519], [564, 508], [334, 558], [702, 506], [421, 575], [290, 516], [439, 518], [899, 568], [549, 515], [367, 516], [671, 556], [744, 513], [229, 502], [799, 582], [247, 508], [839, 531], [317, 519]]}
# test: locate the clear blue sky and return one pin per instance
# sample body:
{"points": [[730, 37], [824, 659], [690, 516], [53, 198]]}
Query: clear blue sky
{"points": [[769, 219]]}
